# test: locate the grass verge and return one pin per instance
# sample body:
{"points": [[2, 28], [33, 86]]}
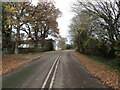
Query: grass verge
{"points": [[110, 63]]}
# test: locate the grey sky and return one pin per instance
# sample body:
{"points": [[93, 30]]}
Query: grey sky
{"points": [[64, 21]]}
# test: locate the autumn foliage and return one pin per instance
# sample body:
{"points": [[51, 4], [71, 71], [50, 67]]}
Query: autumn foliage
{"points": [[24, 21], [95, 29]]}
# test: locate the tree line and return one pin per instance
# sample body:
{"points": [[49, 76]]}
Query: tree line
{"points": [[95, 28], [23, 22]]}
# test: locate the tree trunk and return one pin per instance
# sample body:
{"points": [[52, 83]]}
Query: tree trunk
{"points": [[17, 40], [43, 44], [36, 44], [111, 53], [16, 47]]}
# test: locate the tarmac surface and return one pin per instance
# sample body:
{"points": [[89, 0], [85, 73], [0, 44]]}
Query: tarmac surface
{"points": [[55, 70]]}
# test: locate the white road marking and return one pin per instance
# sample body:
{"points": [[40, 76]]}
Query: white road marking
{"points": [[53, 77], [50, 71]]}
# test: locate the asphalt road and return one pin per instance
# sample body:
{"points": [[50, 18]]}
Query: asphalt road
{"points": [[56, 70]]}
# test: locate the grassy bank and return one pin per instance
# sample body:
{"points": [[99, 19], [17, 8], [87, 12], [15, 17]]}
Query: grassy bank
{"points": [[110, 63]]}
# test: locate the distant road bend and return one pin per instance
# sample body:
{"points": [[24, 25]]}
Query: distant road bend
{"points": [[55, 70]]}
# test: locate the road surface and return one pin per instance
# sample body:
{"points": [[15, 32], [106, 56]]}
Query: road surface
{"points": [[56, 70]]}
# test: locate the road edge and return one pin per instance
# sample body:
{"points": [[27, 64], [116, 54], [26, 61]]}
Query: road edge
{"points": [[111, 85]]}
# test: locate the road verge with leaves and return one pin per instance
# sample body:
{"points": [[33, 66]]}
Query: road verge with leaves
{"points": [[108, 76]]}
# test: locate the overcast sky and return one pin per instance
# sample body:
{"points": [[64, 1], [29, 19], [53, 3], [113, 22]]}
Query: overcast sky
{"points": [[64, 21]]}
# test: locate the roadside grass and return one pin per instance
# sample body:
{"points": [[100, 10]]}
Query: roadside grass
{"points": [[49, 51], [109, 63], [33, 53], [45, 52]]}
